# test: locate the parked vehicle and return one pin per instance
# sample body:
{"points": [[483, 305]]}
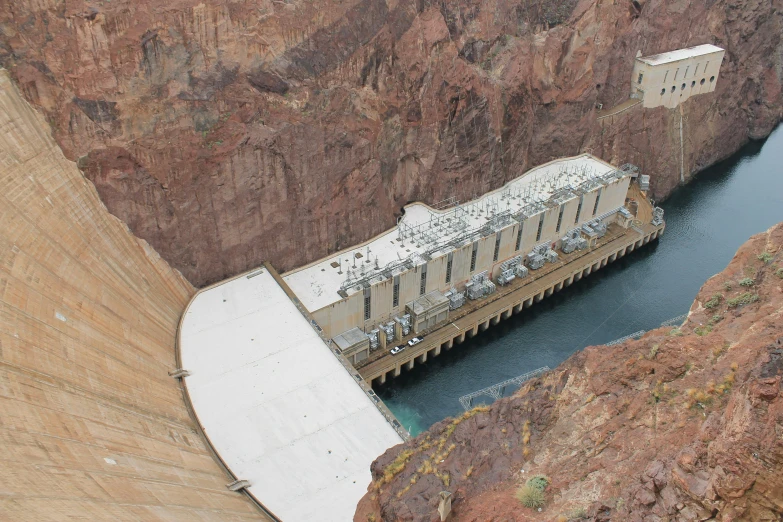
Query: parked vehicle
{"points": [[415, 340], [397, 349]]}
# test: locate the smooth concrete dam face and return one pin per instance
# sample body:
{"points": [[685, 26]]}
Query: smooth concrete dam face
{"points": [[92, 426]]}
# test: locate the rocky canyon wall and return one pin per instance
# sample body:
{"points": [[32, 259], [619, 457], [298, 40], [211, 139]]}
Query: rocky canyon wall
{"points": [[685, 424], [92, 426], [227, 132]]}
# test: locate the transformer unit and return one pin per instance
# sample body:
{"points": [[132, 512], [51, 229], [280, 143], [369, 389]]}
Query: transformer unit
{"points": [[405, 324], [570, 241], [456, 299], [506, 276], [521, 271], [373, 335], [657, 218], [540, 255], [388, 330], [535, 261], [508, 270], [644, 182], [479, 286], [597, 226]]}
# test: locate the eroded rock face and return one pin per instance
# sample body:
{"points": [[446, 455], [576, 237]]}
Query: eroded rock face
{"points": [[226, 133], [683, 424]]}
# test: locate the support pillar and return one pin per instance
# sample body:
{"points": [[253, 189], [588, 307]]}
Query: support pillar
{"points": [[460, 338], [517, 308], [421, 359], [528, 302], [397, 370], [409, 365], [559, 286], [437, 350], [549, 291], [382, 378], [506, 314], [495, 320]]}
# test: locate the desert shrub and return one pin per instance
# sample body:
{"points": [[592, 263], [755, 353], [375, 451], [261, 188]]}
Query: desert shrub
{"points": [[397, 465], [746, 298], [531, 497], [728, 286], [765, 257], [702, 330], [538, 481], [714, 302], [746, 282], [577, 514], [779, 273]]}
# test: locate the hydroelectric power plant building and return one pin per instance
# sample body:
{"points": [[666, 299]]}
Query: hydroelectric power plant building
{"points": [[279, 369], [408, 279]]}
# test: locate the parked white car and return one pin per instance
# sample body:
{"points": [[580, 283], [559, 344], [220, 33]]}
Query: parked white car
{"points": [[415, 340], [397, 349]]}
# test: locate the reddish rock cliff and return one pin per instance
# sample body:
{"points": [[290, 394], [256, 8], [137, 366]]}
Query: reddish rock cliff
{"points": [[230, 132], [683, 424]]}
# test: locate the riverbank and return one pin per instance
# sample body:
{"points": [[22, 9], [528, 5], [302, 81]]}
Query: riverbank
{"points": [[681, 423]]}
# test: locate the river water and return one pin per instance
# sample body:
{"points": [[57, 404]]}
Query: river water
{"points": [[706, 221]]}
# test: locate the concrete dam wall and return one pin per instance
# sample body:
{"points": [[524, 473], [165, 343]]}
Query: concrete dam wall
{"points": [[91, 425]]}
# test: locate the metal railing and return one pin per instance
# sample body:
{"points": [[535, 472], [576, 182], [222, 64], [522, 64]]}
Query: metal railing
{"points": [[497, 390]]}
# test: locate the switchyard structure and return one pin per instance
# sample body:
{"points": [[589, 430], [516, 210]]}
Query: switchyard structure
{"points": [[420, 273]]}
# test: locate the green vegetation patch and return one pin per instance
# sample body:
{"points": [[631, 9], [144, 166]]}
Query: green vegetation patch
{"points": [[714, 302], [765, 257], [746, 282], [539, 482], [743, 299]]}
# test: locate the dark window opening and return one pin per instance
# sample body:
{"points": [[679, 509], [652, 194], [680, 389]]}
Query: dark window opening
{"points": [[712, 79], [497, 247], [597, 199], [473, 257], [423, 284], [519, 237], [560, 218], [540, 228], [693, 83], [674, 88], [663, 91], [701, 82], [641, 75], [396, 292], [579, 208], [366, 305], [449, 263], [683, 86]]}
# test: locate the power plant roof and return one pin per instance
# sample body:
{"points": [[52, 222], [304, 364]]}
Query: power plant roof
{"points": [[422, 227], [277, 405], [680, 54]]}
